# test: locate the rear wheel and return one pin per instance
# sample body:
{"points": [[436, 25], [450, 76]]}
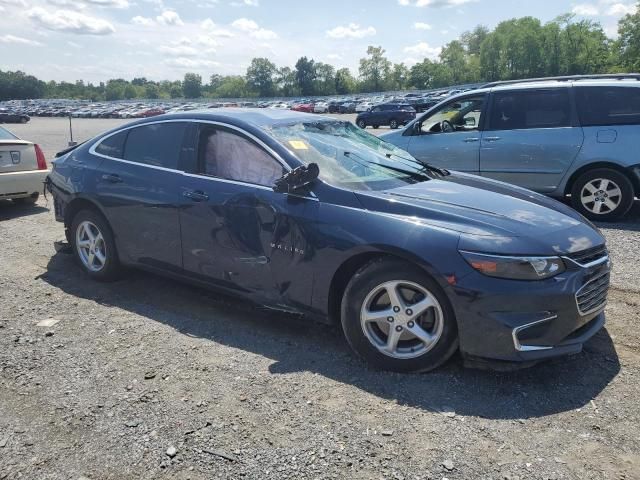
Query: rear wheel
{"points": [[94, 247], [602, 194], [27, 200], [397, 318], [362, 124], [393, 124], [23, 120]]}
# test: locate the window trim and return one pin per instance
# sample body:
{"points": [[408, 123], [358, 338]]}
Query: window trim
{"points": [[201, 170]]}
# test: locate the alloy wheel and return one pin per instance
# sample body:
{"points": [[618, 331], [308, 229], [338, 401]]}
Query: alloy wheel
{"points": [[91, 246], [402, 319], [601, 196]]}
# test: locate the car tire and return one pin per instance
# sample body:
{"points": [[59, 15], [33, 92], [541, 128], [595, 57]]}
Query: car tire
{"points": [[366, 297], [101, 270], [393, 124], [27, 200], [362, 124], [602, 194], [23, 120]]}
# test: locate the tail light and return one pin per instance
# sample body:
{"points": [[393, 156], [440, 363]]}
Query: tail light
{"points": [[42, 162]]}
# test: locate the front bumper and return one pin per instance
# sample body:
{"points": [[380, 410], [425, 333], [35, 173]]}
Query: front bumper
{"points": [[518, 321]]}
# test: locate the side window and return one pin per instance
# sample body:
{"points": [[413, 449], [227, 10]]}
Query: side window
{"points": [[608, 105], [458, 116], [113, 146], [225, 154], [158, 144], [376, 109], [517, 110]]}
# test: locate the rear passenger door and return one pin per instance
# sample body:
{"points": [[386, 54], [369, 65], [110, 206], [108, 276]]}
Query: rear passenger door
{"points": [[531, 139], [138, 185]]}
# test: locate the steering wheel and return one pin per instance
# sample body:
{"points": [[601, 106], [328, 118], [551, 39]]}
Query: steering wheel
{"points": [[446, 126]]}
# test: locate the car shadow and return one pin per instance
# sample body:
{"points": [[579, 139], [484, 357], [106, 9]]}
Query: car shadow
{"points": [[630, 222], [10, 210], [296, 345]]}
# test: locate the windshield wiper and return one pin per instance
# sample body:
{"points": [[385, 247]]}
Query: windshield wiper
{"points": [[443, 172], [412, 174]]}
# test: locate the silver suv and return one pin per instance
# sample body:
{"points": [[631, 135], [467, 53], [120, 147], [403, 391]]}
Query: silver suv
{"points": [[577, 136]]}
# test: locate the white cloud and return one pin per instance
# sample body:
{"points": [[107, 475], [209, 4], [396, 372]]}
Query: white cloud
{"points": [[178, 50], [190, 63], [433, 3], [144, 21], [621, 9], [423, 49], [246, 3], [421, 26], [253, 29], [353, 30], [212, 29], [170, 17], [70, 22], [82, 4], [18, 40], [586, 9], [14, 3]]}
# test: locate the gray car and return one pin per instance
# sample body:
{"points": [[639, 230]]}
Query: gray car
{"points": [[561, 136]]}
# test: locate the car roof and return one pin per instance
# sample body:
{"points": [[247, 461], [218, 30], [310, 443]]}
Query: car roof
{"points": [[551, 83]]}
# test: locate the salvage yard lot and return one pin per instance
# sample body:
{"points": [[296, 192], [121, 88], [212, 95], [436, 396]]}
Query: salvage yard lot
{"points": [[131, 370]]}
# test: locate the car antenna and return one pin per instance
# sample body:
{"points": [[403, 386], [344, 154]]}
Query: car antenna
{"points": [[71, 142]]}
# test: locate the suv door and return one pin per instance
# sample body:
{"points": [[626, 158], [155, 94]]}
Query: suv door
{"points": [[531, 138], [138, 185], [237, 232], [375, 115], [449, 137]]}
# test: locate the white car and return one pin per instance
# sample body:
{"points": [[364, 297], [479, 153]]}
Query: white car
{"points": [[321, 107], [363, 107], [23, 169]]}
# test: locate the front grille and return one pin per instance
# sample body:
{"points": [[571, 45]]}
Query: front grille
{"points": [[593, 295], [584, 257]]}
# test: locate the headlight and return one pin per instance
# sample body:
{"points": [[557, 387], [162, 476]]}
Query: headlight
{"points": [[515, 268]]}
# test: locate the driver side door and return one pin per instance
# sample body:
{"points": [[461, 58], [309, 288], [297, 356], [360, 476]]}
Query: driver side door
{"points": [[449, 137]]}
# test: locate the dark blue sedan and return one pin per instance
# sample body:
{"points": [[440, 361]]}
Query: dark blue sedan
{"points": [[314, 216]]}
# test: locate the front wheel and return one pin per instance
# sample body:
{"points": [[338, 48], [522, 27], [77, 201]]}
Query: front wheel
{"points": [[397, 318], [602, 194], [362, 124], [393, 124], [94, 246]]}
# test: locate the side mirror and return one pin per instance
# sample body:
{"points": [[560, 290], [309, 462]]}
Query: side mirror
{"points": [[297, 178], [470, 121], [368, 109], [417, 128]]}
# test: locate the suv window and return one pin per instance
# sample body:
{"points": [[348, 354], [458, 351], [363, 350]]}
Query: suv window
{"points": [[517, 110], [225, 154], [463, 114], [608, 105], [158, 144], [113, 146]]}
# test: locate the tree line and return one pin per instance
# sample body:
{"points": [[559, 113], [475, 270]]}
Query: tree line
{"points": [[517, 48]]}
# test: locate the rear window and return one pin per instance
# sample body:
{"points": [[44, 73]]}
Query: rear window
{"points": [[518, 110], [7, 135], [608, 105], [158, 144], [113, 146]]}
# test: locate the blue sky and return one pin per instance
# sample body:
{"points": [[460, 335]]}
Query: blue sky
{"points": [[162, 39]]}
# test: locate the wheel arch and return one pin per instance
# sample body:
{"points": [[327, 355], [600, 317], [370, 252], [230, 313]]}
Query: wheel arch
{"points": [[601, 164], [347, 269]]}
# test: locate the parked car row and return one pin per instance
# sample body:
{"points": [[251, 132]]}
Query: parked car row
{"points": [[21, 111]]}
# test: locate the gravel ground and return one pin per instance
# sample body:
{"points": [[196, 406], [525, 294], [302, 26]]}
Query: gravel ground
{"points": [[148, 378]]}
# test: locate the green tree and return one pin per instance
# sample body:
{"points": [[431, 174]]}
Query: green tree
{"points": [[192, 85], [345, 83], [305, 75], [374, 69], [399, 77], [286, 81], [325, 81], [151, 90], [233, 86], [472, 40], [454, 56], [260, 76]]}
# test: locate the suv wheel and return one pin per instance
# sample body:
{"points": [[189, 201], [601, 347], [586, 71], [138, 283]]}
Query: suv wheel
{"points": [[393, 124], [362, 124], [397, 318], [93, 245], [602, 194]]}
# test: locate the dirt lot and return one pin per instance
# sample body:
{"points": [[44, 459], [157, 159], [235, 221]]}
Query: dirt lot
{"points": [[148, 378]]}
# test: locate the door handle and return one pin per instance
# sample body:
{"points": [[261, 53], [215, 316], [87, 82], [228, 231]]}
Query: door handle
{"points": [[112, 178], [196, 195], [470, 140], [491, 139]]}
